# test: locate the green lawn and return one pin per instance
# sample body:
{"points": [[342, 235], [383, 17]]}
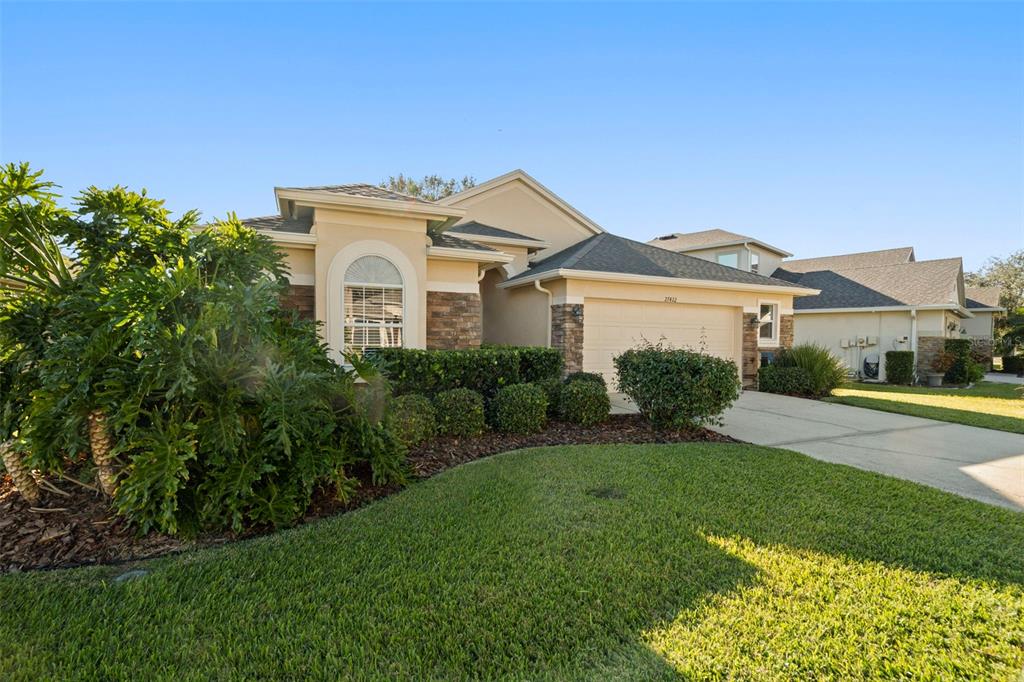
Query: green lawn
{"points": [[986, 404], [599, 562]]}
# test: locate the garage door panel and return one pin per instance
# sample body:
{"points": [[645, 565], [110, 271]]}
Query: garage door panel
{"points": [[611, 327]]}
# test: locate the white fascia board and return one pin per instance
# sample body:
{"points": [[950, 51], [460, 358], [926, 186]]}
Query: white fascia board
{"points": [[662, 281], [448, 253], [298, 239], [963, 312], [331, 200], [735, 242]]}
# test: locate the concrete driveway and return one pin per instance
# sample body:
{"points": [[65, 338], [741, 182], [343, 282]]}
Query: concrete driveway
{"points": [[982, 464]]}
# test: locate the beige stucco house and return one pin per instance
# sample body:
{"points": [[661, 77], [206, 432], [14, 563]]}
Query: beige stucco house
{"points": [[510, 262], [867, 303]]}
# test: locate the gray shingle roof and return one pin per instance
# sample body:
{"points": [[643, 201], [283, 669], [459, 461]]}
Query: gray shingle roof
{"points": [[365, 191], [983, 297], [450, 241], [931, 282], [482, 230], [610, 253], [680, 241], [278, 223], [849, 261]]}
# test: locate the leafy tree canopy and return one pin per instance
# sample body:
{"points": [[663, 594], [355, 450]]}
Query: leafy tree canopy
{"points": [[431, 187], [1005, 273]]}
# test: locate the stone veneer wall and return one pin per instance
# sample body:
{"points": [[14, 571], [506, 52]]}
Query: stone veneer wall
{"points": [[928, 348], [454, 320], [751, 356], [786, 331], [302, 298], [567, 333]]}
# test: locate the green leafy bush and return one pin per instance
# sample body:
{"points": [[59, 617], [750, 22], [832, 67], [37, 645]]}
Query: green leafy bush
{"points": [[585, 402], [537, 363], [460, 412], [795, 381], [1013, 364], [959, 371], [484, 370], [520, 408], [552, 388], [592, 377], [218, 407], [412, 419], [825, 371], [677, 388], [899, 367]]}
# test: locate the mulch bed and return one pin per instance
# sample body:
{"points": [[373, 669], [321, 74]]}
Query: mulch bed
{"points": [[79, 528]]}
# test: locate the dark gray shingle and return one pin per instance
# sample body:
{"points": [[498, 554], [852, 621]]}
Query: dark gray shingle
{"points": [[482, 230], [610, 253], [278, 223]]}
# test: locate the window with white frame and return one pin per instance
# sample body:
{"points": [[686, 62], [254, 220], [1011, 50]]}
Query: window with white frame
{"points": [[755, 262], [374, 303], [732, 259], [768, 324]]}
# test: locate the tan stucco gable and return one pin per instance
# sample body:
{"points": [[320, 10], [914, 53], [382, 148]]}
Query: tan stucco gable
{"points": [[517, 202]]}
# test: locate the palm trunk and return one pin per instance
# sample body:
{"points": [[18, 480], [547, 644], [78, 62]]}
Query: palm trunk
{"points": [[22, 477], [101, 446]]}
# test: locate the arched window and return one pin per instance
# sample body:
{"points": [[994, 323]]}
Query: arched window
{"points": [[374, 304]]}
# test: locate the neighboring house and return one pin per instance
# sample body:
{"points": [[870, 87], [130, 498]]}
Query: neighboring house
{"points": [[509, 262], [873, 302]]}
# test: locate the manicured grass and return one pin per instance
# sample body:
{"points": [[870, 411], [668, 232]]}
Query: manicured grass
{"points": [[601, 562], [986, 404]]}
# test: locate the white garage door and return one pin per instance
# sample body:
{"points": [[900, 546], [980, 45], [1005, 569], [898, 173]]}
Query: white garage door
{"points": [[610, 327]]}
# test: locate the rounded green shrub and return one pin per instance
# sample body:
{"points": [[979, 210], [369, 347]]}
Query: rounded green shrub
{"points": [[795, 381], [552, 388], [520, 408], [585, 403], [460, 412], [899, 367], [412, 419], [592, 377], [959, 371], [676, 388]]}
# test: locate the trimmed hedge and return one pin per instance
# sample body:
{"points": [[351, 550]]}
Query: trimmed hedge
{"points": [[412, 419], [1013, 364], [960, 371], [585, 403], [592, 377], [677, 388], [899, 367], [484, 370], [460, 412], [794, 381], [521, 408], [553, 390]]}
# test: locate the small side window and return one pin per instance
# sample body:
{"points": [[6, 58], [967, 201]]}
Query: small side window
{"points": [[755, 262], [730, 259]]}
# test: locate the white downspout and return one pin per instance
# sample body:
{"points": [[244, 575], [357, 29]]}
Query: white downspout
{"points": [[913, 336], [538, 287]]}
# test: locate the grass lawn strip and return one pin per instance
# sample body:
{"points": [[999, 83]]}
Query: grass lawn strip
{"points": [[987, 404], [627, 562]]}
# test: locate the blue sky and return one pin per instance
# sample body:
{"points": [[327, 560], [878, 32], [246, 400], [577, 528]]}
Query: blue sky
{"points": [[821, 128]]}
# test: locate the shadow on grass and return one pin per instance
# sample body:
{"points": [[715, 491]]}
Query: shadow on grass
{"points": [[946, 414], [513, 568]]}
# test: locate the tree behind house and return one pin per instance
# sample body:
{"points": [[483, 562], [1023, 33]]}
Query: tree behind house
{"points": [[431, 187]]}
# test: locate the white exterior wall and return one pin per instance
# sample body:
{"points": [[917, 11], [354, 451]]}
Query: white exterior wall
{"points": [[769, 261], [828, 329], [980, 326]]}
